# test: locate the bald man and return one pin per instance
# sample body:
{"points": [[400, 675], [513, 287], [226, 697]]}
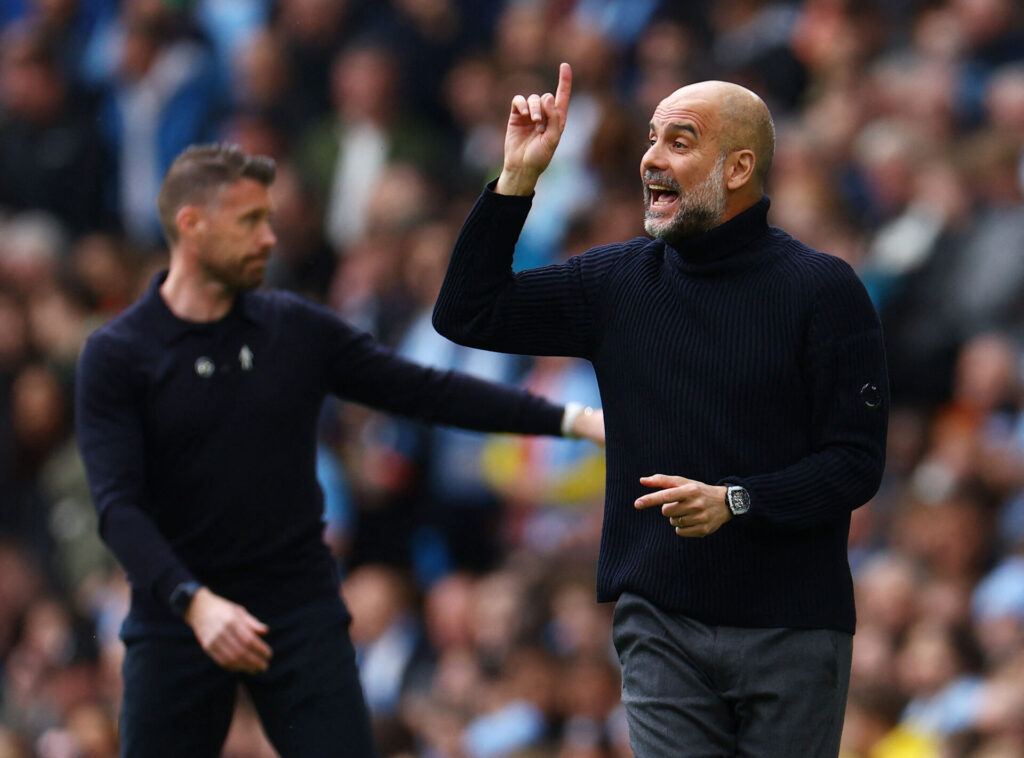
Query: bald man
{"points": [[746, 396]]}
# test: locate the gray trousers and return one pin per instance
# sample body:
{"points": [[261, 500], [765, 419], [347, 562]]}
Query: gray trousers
{"points": [[696, 691]]}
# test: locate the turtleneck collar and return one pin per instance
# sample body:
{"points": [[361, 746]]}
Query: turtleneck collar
{"points": [[726, 247]]}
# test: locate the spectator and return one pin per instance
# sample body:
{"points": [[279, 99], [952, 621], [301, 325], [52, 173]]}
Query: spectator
{"points": [[346, 154], [162, 95], [52, 157]]}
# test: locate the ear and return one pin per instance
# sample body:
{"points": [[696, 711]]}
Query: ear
{"points": [[739, 168], [190, 221]]}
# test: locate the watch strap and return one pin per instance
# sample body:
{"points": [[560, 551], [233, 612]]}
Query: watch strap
{"points": [[181, 596]]}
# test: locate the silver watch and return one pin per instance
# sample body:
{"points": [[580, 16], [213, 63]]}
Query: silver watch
{"points": [[738, 499]]}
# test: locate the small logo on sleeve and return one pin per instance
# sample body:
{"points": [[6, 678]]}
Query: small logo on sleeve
{"points": [[245, 358], [871, 396]]}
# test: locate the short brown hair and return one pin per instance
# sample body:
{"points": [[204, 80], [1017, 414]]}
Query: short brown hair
{"points": [[199, 171]]}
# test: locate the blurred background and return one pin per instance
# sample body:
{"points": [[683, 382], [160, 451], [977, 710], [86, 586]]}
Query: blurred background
{"points": [[469, 560]]}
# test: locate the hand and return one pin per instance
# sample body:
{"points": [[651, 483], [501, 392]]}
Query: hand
{"points": [[228, 633], [535, 126], [695, 509], [589, 425]]}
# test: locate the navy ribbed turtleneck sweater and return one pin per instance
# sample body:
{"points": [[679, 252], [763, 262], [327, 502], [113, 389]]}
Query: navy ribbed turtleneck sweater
{"points": [[743, 356]]}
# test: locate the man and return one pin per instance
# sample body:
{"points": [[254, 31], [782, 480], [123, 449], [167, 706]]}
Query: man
{"points": [[196, 418], [52, 154], [745, 371]]}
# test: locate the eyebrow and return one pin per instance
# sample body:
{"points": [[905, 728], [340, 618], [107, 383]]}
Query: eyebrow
{"points": [[258, 212], [677, 128]]}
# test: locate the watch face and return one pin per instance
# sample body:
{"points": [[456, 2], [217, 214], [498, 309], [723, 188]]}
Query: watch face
{"points": [[182, 596], [739, 500]]}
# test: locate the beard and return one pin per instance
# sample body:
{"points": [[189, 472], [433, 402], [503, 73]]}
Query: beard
{"points": [[699, 210], [236, 276]]}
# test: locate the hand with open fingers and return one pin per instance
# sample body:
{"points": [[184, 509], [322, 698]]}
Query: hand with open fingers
{"points": [[535, 126], [228, 633], [693, 508]]}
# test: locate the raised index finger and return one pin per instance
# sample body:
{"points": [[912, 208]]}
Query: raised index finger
{"points": [[564, 89]]}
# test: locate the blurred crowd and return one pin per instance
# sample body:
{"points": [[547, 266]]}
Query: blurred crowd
{"points": [[469, 560]]}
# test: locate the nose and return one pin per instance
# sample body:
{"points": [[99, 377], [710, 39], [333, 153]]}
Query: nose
{"points": [[654, 158], [267, 236]]}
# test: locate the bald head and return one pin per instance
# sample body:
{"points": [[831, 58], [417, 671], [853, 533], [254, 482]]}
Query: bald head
{"points": [[711, 145], [737, 117]]}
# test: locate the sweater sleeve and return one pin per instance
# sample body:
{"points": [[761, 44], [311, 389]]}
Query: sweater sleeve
{"points": [[482, 303], [848, 389], [110, 436], [362, 370]]}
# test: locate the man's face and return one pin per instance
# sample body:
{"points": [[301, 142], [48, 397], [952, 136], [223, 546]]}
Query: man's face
{"points": [[238, 237], [29, 89], [682, 170]]}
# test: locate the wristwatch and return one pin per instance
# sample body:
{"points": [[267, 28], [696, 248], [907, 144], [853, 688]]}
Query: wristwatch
{"points": [[738, 499], [181, 597]]}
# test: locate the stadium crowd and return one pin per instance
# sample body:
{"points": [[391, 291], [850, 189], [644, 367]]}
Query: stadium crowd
{"points": [[469, 561]]}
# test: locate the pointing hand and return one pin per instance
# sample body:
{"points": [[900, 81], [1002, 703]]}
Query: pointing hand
{"points": [[693, 509], [535, 126]]}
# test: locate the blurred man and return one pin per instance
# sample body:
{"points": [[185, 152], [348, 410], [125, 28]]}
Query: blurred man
{"points": [[196, 413], [51, 154], [748, 368]]}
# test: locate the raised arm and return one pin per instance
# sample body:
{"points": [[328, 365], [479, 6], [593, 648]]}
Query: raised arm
{"points": [[360, 369], [544, 311], [535, 126]]}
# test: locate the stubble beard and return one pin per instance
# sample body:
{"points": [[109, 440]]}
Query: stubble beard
{"points": [[700, 209], [234, 278]]}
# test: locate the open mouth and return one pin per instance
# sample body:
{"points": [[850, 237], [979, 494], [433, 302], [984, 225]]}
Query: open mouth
{"points": [[662, 196]]}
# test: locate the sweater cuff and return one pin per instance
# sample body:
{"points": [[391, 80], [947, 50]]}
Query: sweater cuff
{"points": [[572, 412], [167, 582], [735, 481], [522, 200]]}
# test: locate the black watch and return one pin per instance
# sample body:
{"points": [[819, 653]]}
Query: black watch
{"points": [[738, 499], [181, 597]]}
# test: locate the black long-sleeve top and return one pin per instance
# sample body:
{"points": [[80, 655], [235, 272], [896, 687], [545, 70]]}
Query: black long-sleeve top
{"points": [[742, 357], [199, 440]]}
